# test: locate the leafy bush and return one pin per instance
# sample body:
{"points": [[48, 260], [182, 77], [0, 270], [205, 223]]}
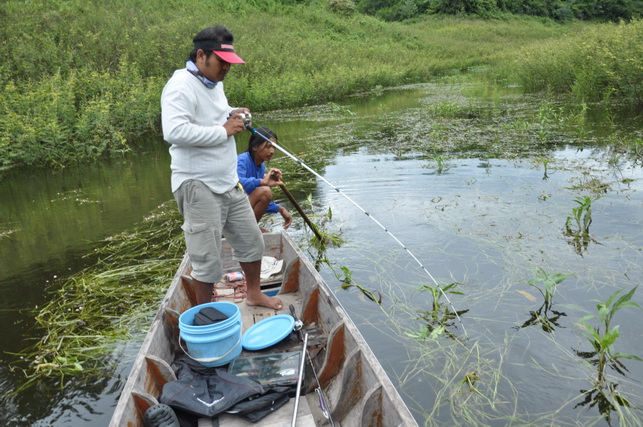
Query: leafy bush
{"points": [[600, 62], [561, 10], [343, 7]]}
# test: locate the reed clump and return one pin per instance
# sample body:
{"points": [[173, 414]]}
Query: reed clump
{"points": [[599, 63]]}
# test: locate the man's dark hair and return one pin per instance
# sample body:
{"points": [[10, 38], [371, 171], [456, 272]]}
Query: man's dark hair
{"points": [[256, 140], [217, 33]]}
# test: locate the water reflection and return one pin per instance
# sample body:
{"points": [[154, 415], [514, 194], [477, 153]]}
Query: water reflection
{"points": [[545, 316], [606, 399]]}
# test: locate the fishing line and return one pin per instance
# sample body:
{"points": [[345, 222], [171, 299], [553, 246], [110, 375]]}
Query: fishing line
{"points": [[305, 166]]}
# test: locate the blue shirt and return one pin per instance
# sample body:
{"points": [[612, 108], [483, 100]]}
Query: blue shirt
{"points": [[250, 176]]}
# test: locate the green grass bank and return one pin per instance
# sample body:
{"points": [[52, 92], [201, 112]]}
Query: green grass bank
{"points": [[82, 79]]}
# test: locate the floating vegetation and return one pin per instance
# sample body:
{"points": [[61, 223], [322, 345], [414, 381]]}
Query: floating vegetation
{"points": [[592, 184], [105, 303], [339, 109], [441, 317], [329, 238], [347, 283]]}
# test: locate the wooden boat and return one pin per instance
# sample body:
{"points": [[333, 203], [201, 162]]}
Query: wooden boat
{"points": [[356, 389]]}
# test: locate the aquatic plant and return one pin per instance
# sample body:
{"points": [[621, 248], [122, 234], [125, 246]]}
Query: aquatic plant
{"points": [[340, 109], [348, 283], [603, 336], [545, 316], [440, 163], [577, 224], [545, 162], [441, 316], [329, 238], [604, 394], [546, 283], [581, 215], [93, 310]]}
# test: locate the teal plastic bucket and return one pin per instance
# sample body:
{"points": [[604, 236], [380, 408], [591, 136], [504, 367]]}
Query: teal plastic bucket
{"points": [[212, 345]]}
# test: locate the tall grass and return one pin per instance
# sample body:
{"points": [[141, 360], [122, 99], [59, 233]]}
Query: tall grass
{"points": [[601, 62], [82, 79]]}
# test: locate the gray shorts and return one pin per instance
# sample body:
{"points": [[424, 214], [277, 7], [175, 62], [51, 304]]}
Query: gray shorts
{"points": [[206, 216]]}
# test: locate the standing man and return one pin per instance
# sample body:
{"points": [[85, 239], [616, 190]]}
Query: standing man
{"points": [[200, 126]]}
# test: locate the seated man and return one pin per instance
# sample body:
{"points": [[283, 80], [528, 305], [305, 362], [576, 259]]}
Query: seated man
{"points": [[252, 174]]}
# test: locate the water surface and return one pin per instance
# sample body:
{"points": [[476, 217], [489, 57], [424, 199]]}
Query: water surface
{"points": [[476, 183]]}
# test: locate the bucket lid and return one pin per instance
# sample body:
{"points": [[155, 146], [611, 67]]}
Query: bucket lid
{"points": [[268, 332]]}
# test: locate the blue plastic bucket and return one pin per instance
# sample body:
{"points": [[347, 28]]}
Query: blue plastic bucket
{"points": [[212, 345]]}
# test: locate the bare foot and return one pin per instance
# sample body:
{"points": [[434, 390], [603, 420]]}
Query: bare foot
{"points": [[264, 230], [264, 300]]}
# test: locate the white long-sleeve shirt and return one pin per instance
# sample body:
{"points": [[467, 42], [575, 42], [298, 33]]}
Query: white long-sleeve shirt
{"points": [[192, 117]]}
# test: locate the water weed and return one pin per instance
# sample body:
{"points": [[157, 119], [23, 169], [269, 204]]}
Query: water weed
{"points": [[604, 393], [603, 337], [348, 283], [546, 284], [107, 303], [441, 316], [578, 223]]}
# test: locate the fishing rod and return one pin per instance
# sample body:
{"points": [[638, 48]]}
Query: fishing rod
{"points": [[246, 120]]}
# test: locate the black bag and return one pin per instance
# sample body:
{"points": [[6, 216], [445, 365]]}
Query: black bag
{"points": [[207, 395], [256, 408]]}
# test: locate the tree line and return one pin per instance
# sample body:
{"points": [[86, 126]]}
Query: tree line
{"points": [[559, 10]]}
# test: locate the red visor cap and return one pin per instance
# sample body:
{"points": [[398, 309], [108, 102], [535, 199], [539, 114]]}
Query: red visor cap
{"points": [[228, 56]]}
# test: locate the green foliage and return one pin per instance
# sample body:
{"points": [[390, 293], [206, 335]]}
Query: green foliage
{"points": [[545, 283], [581, 216], [545, 316], [440, 317], [79, 80], [598, 63], [483, 8], [577, 224], [75, 117], [603, 336], [560, 10], [342, 7]]}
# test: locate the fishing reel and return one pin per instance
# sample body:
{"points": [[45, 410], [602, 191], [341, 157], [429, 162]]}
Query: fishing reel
{"points": [[247, 118]]}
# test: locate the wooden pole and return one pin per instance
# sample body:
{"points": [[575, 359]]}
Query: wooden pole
{"points": [[301, 212]]}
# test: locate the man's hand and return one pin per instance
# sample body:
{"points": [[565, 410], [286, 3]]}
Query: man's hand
{"points": [[235, 124], [272, 178], [287, 217]]}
